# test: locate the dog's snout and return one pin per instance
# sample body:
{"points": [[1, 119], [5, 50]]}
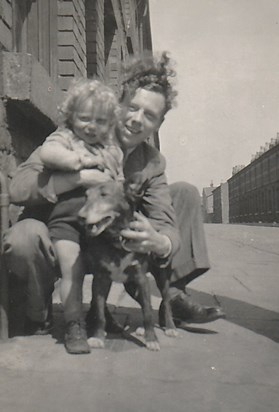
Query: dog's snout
{"points": [[89, 227], [82, 219]]}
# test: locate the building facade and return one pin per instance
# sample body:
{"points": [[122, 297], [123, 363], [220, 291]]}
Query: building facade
{"points": [[254, 190], [43, 45], [221, 203], [207, 203]]}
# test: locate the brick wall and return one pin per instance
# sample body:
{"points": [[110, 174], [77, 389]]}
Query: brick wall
{"points": [[71, 41], [6, 25]]}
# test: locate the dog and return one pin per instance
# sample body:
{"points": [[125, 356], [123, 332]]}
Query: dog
{"points": [[108, 209]]}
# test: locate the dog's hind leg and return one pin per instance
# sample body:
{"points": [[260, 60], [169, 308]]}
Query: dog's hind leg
{"points": [[100, 291], [165, 312], [144, 298]]}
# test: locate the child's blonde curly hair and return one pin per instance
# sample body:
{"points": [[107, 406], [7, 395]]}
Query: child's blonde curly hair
{"points": [[83, 89]]}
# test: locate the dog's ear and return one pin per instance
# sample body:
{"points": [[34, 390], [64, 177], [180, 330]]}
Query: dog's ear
{"points": [[134, 188]]}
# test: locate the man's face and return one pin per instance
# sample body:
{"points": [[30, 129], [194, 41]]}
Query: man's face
{"points": [[143, 114], [90, 123]]}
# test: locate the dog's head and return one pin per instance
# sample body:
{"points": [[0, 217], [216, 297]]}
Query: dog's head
{"points": [[106, 208]]}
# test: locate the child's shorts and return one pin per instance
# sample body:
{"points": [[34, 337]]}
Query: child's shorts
{"points": [[63, 223]]}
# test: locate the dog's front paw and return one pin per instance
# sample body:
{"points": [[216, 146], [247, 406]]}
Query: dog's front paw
{"points": [[96, 343], [171, 333], [140, 331], [153, 345], [151, 340]]}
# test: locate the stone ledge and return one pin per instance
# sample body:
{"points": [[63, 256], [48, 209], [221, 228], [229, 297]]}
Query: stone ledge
{"points": [[24, 80]]}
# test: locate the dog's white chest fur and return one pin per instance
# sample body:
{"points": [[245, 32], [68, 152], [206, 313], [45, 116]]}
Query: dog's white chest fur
{"points": [[118, 271]]}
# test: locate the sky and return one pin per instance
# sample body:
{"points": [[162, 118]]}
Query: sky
{"points": [[227, 63]]}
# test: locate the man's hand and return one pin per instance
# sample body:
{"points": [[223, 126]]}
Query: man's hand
{"points": [[143, 238]]}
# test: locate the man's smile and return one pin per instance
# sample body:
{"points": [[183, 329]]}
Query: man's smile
{"points": [[132, 130]]}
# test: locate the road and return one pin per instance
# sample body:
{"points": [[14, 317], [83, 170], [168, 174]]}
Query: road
{"points": [[226, 366]]}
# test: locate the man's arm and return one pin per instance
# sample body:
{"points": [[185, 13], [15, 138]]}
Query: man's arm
{"points": [[33, 184], [24, 186], [162, 239]]}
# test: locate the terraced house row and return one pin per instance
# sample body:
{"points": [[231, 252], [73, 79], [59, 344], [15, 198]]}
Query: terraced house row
{"points": [[251, 194]]}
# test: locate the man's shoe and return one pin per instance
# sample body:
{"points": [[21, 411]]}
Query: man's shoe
{"points": [[37, 328], [185, 310], [112, 326], [32, 327], [76, 338]]}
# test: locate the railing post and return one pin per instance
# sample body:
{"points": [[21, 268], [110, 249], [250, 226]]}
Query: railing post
{"points": [[4, 292]]}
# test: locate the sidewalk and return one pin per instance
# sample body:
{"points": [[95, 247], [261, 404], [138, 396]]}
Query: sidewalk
{"points": [[225, 366]]}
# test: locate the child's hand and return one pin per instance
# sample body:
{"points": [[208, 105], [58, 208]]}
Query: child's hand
{"points": [[89, 177], [89, 162]]}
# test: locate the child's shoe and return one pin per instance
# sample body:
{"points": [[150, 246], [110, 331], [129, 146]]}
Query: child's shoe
{"points": [[76, 338]]}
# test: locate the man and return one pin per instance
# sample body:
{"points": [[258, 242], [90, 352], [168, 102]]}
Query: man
{"points": [[147, 96]]}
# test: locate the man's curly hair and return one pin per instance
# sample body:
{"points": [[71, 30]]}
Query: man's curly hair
{"points": [[150, 73]]}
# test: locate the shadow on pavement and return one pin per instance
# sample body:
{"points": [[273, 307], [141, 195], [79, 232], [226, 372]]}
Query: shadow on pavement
{"points": [[259, 320], [262, 321], [129, 318]]}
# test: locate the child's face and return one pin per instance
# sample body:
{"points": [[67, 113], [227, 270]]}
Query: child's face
{"points": [[90, 123]]}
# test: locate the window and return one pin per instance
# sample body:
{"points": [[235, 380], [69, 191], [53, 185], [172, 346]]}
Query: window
{"points": [[35, 31]]}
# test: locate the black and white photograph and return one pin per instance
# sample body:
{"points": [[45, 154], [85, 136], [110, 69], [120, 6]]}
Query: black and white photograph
{"points": [[139, 205]]}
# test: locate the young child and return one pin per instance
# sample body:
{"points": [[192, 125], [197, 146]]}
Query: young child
{"points": [[86, 139]]}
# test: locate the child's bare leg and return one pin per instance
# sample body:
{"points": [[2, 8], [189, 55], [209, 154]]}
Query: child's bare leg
{"points": [[72, 270]]}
